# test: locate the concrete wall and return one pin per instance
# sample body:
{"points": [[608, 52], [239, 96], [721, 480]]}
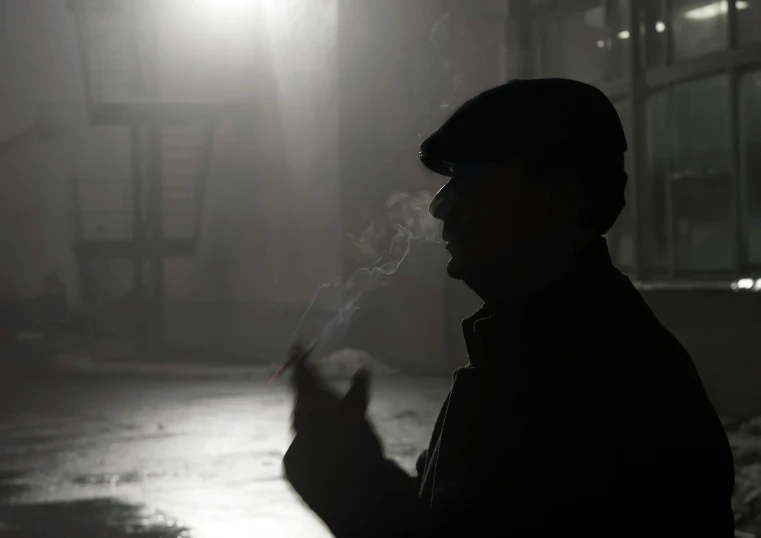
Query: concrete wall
{"points": [[722, 332], [36, 221]]}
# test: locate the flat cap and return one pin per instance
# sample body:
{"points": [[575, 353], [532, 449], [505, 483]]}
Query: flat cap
{"points": [[526, 117]]}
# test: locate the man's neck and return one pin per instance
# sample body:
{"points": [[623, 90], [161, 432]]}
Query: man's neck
{"points": [[532, 268]]}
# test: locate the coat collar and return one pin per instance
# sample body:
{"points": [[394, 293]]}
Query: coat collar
{"points": [[561, 263]]}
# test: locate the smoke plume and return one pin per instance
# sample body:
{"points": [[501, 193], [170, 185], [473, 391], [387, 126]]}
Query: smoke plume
{"points": [[386, 243]]}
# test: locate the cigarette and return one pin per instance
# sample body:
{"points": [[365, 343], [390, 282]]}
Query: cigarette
{"points": [[293, 360]]}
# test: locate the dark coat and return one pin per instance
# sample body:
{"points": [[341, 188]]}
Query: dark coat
{"points": [[578, 415]]}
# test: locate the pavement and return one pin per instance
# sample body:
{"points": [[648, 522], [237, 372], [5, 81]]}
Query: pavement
{"points": [[80, 362], [170, 455], [113, 448]]}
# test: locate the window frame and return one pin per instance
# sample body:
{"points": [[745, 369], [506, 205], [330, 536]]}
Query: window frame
{"points": [[639, 82]]}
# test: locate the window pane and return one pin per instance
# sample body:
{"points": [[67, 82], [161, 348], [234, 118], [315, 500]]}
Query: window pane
{"points": [[621, 237], [701, 117], [620, 39], [657, 152], [699, 187], [750, 115], [698, 26], [748, 20], [654, 35], [573, 46]]}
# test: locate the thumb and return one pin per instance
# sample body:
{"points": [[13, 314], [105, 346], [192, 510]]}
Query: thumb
{"points": [[357, 398]]}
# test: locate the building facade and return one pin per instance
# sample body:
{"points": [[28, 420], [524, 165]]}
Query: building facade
{"points": [[685, 76]]}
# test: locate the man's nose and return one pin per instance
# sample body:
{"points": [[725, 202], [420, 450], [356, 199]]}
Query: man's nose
{"points": [[441, 204]]}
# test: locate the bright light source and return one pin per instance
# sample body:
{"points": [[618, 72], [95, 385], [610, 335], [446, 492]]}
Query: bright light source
{"points": [[624, 34], [223, 8], [757, 285], [707, 11], [745, 283], [600, 44], [714, 9], [660, 27]]}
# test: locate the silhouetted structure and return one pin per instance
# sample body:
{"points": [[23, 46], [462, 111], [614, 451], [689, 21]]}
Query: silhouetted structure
{"points": [[157, 214]]}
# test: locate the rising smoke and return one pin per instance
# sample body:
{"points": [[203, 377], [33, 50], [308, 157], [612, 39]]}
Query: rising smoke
{"points": [[407, 222]]}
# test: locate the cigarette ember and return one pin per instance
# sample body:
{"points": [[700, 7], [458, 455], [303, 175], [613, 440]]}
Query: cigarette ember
{"points": [[292, 360]]}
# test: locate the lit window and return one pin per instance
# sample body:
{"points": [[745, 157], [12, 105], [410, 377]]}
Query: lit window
{"points": [[750, 159], [699, 27], [749, 21]]}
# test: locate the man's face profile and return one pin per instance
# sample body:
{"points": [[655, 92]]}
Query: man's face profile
{"points": [[489, 212]]}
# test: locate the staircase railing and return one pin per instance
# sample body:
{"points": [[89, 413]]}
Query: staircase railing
{"points": [[99, 209]]}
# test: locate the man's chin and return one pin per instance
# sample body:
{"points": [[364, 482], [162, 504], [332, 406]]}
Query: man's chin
{"points": [[456, 269]]}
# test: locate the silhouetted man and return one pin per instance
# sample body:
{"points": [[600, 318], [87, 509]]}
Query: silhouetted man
{"points": [[578, 414]]}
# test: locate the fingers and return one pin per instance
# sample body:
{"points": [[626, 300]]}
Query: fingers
{"points": [[298, 356], [314, 401], [357, 399]]}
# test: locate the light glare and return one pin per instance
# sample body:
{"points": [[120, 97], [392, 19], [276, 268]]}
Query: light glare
{"points": [[624, 34], [225, 8], [714, 9], [660, 27], [745, 283]]}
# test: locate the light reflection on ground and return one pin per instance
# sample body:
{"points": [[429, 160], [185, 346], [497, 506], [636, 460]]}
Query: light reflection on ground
{"points": [[193, 458]]}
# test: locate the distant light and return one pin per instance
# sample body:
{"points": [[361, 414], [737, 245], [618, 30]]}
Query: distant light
{"points": [[624, 34], [714, 9], [708, 11], [757, 285], [601, 44], [660, 27], [225, 8], [745, 283]]}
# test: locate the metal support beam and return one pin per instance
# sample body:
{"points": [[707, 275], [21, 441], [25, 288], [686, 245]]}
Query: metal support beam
{"points": [[156, 231], [138, 238], [739, 198], [518, 39], [637, 170]]}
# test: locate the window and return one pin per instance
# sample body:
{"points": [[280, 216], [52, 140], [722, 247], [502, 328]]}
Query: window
{"points": [[748, 21], [698, 27], [701, 117], [750, 165], [654, 35], [573, 46], [699, 185], [689, 170], [591, 44], [657, 154], [620, 39], [621, 237]]}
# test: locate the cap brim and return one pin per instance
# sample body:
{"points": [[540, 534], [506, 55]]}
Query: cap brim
{"points": [[443, 168]]}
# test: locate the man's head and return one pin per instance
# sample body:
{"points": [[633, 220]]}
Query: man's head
{"points": [[527, 160]]}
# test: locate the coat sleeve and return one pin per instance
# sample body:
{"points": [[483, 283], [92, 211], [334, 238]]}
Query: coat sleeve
{"points": [[593, 463], [546, 474]]}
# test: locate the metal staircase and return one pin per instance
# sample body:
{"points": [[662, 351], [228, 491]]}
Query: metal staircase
{"points": [[169, 205], [157, 212]]}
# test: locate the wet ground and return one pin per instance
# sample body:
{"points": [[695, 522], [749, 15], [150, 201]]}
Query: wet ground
{"points": [[120, 456]]}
